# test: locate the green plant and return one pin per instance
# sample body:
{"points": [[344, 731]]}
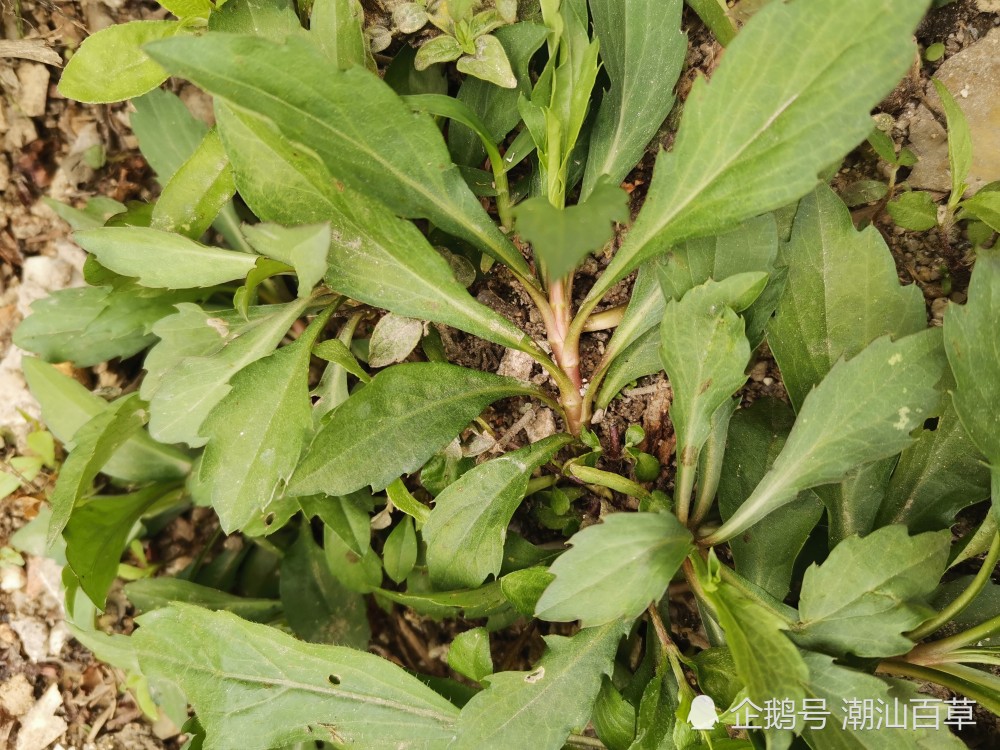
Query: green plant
{"points": [[843, 496]]}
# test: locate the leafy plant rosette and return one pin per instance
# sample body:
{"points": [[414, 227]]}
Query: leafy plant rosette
{"points": [[811, 536]]}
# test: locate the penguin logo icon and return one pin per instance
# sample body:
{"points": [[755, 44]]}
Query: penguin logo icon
{"points": [[702, 714]]}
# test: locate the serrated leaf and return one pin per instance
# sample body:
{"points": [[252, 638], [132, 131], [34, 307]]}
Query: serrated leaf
{"points": [[399, 554], [467, 528], [595, 581], [350, 119], [767, 662], [89, 325], [888, 390], [193, 374], [337, 27], [842, 689], [67, 405], [284, 185], [825, 312], [111, 65], [197, 191], [637, 37], [94, 444], [971, 343], [937, 476], [469, 654], [163, 259], [148, 594], [394, 424], [96, 211], [96, 535], [869, 591], [563, 237], [704, 352], [766, 552], [256, 433], [495, 106], [318, 608], [800, 107], [914, 210], [326, 691], [538, 709]]}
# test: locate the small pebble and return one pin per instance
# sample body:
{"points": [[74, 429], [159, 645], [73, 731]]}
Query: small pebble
{"points": [[12, 578]]}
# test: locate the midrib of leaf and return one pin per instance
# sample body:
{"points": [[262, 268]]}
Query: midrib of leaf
{"points": [[602, 285], [417, 187]]}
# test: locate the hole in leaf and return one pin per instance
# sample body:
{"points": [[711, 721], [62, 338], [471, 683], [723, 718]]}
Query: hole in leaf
{"points": [[535, 676], [334, 679], [269, 519], [931, 424]]}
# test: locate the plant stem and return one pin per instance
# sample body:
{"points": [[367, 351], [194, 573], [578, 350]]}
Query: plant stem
{"points": [[683, 485], [926, 674], [964, 599], [605, 319], [566, 353], [537, 484], [926, 653], [608, 479], [581, 741]]}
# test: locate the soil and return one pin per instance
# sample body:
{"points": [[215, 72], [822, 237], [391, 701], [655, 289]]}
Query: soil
{"points": [[48, 150]]}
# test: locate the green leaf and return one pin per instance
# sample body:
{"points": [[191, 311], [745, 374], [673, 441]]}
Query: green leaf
{"points": [[914, 210], [285, 185], [303, 248], [394, 424], [254, 688], [188, 8], [495, 106], [595, 581], [705, 352], [337, 27], [97, 211], [167, 131], [985, 206], [256, 433], [334, 350], [959, 142], [94, 445], [67, 406], [869, 591], [318, 608], [563, 237], [467, 528], [148, 594], [489, 63], [825, 313], [843, 690], [96, 535], [111, 65], [862, 411], [89, 325], [361, 573], [469, 654], [191, 374], [399, 554], [637, 37], [538, 709], [197, 192], [765, 553], [485, 601], [656, 719], [523, 588], [853, 504], [393, 339], [350, 119], [800, 107], [766, 661], [937, 476], [640, 358], [163, 259], [971, 343], [614, 718], [440, 49], [271, 19]]}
